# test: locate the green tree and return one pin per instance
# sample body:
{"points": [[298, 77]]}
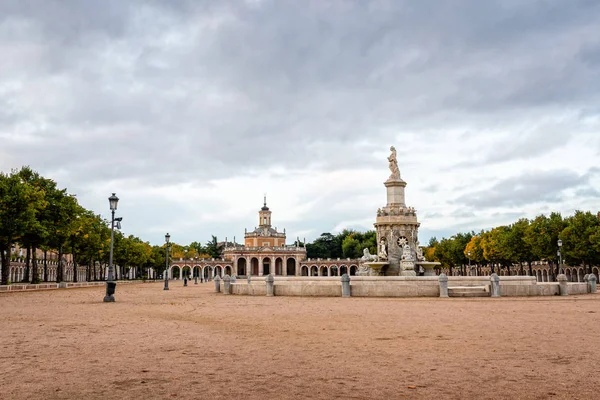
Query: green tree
{"points": [[578, 238], [63, 211], [542, 237], [36, 232], [213, 248], [19, 204]]}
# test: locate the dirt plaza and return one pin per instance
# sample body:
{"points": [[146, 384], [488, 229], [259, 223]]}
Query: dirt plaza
{"points": [[192, 343]]}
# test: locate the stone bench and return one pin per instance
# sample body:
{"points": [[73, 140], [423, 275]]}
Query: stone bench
{"points": [[469, 291]]}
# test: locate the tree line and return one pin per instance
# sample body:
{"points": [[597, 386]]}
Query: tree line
{"points": [[36, 214], [515, 246], [346, 244]]}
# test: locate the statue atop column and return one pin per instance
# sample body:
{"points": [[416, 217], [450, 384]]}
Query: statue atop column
{"points": [[393, 164]]}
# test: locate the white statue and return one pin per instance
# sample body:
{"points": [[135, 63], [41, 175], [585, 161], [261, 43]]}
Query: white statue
{"points": [[367, 256], [382, 251], [407, 253], [363, 268], [420, 256], [393, 164]]}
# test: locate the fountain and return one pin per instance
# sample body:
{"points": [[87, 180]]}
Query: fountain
{"points": [[397, 234]]}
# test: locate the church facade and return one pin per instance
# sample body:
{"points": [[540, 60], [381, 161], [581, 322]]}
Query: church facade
{"points": [[264, 251]]}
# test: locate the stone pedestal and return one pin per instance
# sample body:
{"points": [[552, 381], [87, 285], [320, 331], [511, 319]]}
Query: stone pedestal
{"points": [[395, 192], [407, 268]]}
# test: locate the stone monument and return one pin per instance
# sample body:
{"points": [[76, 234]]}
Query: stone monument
{"points": [[398, 231]]}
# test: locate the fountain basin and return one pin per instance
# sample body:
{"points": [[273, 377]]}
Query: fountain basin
{"points": [[377, 266], [428, 266]]}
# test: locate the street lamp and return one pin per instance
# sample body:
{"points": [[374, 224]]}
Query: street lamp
{"points": [[559, 254], [111, 285], [185, 249], [167, 237], [469, 255]]}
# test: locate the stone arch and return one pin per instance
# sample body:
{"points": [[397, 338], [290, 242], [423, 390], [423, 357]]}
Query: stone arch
{"points": [[323, 271], [241, 266], [314, 270], [304, 270], [538, 274], [267, 266], [175, 272], [186, 271], [595, 272], [254, 265], [343, 269], [207, 272], [196, 271], [218, 271], [291, 267], [278, 266], [544, 275], [568, 274], [353, 269], [227, 270], [581, 274], [333, 270]]}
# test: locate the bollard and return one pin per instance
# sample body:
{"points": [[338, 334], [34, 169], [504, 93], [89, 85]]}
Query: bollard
{"points": [[226, 284], [592, 283], [586, 277], [195, 280], [217, 283], [232, 278], [495, 286], [562, 285], [185, 281], [443, 285], [345, 285], [269, 279], [249, 279]]}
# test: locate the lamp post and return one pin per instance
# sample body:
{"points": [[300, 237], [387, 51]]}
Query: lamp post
{"points": [[469, 256], [111, 285], [559, 254], [167, 237]]}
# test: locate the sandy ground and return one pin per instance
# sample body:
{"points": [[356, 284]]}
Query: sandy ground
{"points": [[191, 343]]}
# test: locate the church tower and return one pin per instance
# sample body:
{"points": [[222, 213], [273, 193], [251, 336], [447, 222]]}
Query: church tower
{"points": [[264, 215], [265, 235]]}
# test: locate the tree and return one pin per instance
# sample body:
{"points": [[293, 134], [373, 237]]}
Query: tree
{"points": [[213, 248], [578, 236], [63, 211], [19, 204], [518, 248], [542, 237]]}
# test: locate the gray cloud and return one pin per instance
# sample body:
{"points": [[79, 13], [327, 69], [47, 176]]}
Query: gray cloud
{"points": [[160, 92], [531, 187]]}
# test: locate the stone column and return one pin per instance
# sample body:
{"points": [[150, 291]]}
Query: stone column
{"points": [[443, 285], [495, 285], [284, 266], [226, 284], [591, 281], [270, 283], [260, 267], [217, 284], [563, 284], [345, 285]]}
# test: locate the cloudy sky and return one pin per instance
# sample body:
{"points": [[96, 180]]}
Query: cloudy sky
{"points": [[191, 110]]}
